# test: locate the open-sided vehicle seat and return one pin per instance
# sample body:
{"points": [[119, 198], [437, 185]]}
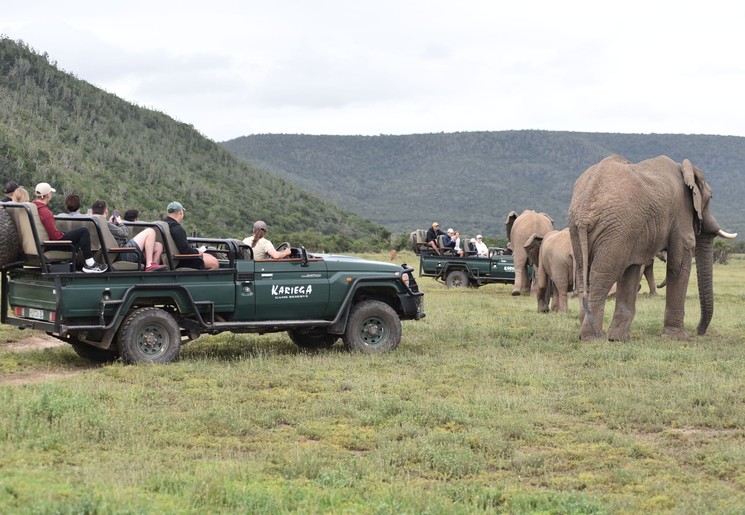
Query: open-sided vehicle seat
{"points": [[38, 249]]}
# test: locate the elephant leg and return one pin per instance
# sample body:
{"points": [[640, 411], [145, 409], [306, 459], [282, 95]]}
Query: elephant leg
{"points": [[563, 299], [626, 289], [555, 303], [677, 286], [543, 299], [649, 276], [521, 274], [592, 321]]}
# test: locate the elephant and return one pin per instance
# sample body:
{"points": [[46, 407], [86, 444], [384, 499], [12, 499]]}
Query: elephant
{"points": [[621, 215], [519, 229], [553, 262]]}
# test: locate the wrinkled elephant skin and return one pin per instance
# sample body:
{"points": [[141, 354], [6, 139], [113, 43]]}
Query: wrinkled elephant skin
{"points": [[620, 216], [553, 262], [519, 229]]}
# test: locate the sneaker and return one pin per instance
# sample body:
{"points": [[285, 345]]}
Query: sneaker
{"points": [[152, 267], [95, 268]]}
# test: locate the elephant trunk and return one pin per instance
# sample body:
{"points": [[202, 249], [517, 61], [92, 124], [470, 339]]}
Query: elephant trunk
{"points": [[704, 272]]}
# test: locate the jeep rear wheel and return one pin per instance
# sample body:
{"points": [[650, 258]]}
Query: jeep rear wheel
{"points": [[456, 279], [149, 335], [312, 339], [373, 326]]}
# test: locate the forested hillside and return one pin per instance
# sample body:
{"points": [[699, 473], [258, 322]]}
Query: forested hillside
{"points": [[62, 130], [472, 180]]}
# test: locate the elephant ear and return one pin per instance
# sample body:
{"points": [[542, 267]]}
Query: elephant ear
{"points": [[532, 247], [693, 179], [508, 223]]}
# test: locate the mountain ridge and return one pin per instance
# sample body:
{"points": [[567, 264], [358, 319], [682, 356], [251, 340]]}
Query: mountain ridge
{"points": [[472, 180]]}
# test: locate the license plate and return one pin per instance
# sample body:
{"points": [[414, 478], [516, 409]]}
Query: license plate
{"points": [[36, 313]]}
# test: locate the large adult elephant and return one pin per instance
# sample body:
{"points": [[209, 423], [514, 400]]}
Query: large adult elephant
{"points": [[519, 229], [553, 262], [620, 216]]}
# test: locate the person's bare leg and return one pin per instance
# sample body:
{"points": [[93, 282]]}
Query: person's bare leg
{"points": [[210, 262], [146, 241], [157, 252]]}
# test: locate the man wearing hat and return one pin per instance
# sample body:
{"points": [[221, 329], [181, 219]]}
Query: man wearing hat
{"points": [[80, 237], [432, 234], [174, 217], [261, 247], [9, 188], [481, 249]]}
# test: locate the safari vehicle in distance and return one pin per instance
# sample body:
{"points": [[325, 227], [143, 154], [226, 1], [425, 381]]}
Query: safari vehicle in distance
{"points": [[462, 271], [146, 316]]}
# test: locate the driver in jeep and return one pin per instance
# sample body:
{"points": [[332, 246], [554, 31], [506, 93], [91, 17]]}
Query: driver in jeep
{"points": [[261, 247]]}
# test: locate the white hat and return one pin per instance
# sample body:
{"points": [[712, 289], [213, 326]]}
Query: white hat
{"points": [[473, 240], [479, 236], [43, 188]]}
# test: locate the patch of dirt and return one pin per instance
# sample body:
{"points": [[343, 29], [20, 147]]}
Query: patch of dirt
{"points": [[37, 342], [38, 377]]}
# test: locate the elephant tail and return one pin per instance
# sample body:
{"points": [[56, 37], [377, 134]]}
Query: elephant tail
{"points": [[585, 251]]}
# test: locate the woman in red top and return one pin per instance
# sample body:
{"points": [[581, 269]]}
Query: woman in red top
{"points": [[80, 237]]}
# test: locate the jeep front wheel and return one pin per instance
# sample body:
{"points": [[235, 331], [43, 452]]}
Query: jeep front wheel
{"points": [[149, 335], [373, 326], [456, 279]]}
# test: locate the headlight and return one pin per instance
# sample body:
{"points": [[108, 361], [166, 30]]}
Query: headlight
{"points": [[405, 279]]}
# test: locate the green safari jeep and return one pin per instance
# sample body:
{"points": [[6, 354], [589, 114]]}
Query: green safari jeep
{"points": [[146, 316]]}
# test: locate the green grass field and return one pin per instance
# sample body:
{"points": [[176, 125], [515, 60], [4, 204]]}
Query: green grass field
{"points": [[487, 406]]}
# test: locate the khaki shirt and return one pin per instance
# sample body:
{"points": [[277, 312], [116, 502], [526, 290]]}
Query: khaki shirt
{"points": [[262, 248]]}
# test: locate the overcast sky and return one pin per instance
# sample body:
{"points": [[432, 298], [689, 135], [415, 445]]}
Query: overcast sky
{"points": [[233, 68]]}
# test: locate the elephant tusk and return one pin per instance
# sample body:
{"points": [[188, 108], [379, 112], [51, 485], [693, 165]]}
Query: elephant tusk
{"points": [[727, 235]]}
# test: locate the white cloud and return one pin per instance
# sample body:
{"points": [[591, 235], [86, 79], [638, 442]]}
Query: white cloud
{"points": [[232, 68]]}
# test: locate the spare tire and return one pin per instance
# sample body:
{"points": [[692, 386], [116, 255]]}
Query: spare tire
{"points": [[9, 242]]}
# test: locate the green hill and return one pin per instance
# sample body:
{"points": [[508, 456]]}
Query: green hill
{"points": [[62, 130], [472, 180]]}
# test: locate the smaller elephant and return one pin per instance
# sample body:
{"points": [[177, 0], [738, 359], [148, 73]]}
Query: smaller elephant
{"points": [[646, 272], [519, 229], [553, 260]]}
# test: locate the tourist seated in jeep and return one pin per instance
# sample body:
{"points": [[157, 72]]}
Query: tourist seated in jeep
{"points": [[204, 260], [433, 234], [261, 247], [145, 240], [80, 237]]}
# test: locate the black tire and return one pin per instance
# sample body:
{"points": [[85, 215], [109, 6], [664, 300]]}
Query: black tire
{"points": [[149, 335], [457, 279], [373, 326], [92, 353], [9, 242], [312, 339]]}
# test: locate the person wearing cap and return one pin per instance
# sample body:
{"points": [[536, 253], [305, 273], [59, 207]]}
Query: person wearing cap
{"points": [[261, 247], [178, 233], [145, 240], [481, 249], [432, 234], [8, 189], [80, 237], [508, 252]]}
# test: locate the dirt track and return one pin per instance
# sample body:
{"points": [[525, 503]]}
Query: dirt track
{"points": [[30, 344]]}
